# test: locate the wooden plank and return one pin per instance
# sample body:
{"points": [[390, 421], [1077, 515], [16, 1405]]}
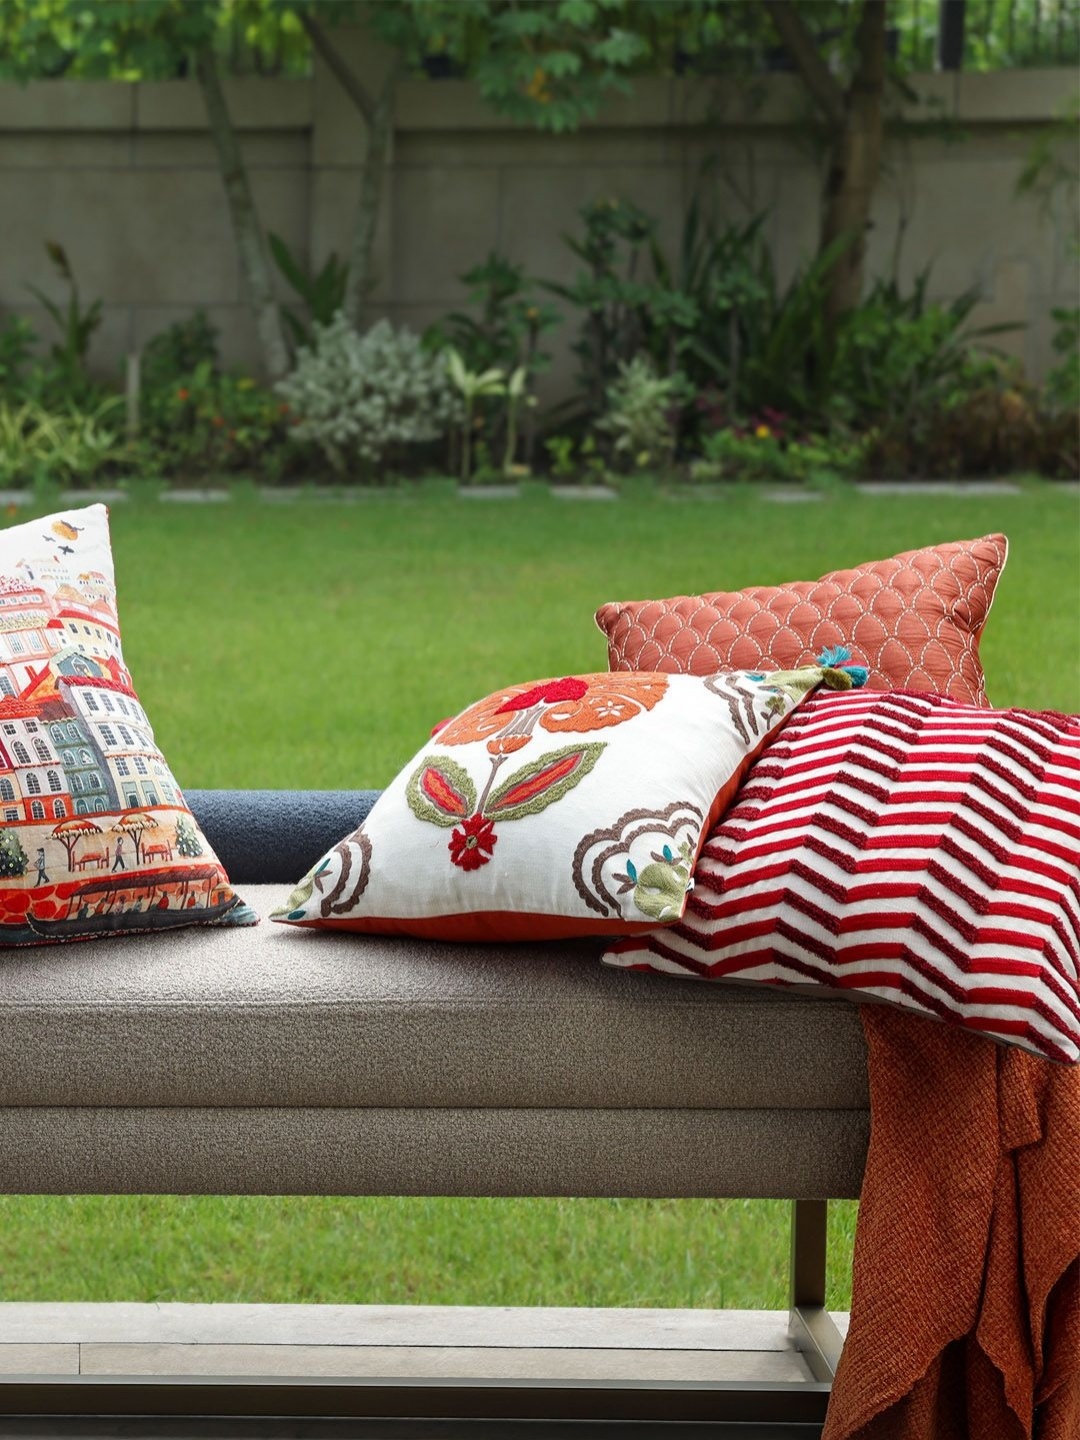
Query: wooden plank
{"points": [[395, 1325], [437, 1362], [39, 1359]]}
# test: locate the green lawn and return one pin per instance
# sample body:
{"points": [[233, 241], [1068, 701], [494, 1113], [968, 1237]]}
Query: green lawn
{"points": [[315, 644]]}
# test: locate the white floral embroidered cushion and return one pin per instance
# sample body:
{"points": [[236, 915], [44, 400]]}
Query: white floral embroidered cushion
{"points": [[565, 807]]}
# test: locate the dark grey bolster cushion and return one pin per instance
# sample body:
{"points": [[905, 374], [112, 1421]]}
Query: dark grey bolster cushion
{"points": [[273, 837]]}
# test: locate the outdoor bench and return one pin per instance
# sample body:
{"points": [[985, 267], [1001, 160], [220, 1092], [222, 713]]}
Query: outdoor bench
{"points": [[271, 1061]]}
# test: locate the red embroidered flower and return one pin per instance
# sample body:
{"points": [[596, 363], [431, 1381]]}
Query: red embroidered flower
{"points": [[552, 691], [471, 846]]}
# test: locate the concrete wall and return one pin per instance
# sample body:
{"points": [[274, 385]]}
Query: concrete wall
{"points": [[125, 178]]}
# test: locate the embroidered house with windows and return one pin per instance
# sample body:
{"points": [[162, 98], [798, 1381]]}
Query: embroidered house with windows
{"points": [[33, 784], [110, 713], [27, 643]]}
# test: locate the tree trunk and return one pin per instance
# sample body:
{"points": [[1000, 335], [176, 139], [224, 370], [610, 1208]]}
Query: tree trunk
{"points": [[378, 118], [855, 164], [247, 233], [855, 119], [380, 135]]}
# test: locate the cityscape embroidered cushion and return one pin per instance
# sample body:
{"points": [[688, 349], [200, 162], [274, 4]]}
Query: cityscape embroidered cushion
{"points": [[904, 848], [95, 837], [564, 807], [914, 619]]}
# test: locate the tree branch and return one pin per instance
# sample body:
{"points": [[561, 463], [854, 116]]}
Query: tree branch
{"points": [[339, 67], [802, 47]]}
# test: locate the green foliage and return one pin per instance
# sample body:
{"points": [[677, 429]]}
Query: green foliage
{"points": [[621, 310], [69, 446], [580, 461], [639, 418], [323, 292], [17, 339], [366, 400], [763, 450], [209, 422], [510, 323], [75, 322], [13, 859], [176, 352], [1063, 381]]}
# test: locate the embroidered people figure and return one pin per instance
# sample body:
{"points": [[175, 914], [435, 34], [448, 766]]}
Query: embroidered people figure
{"points": [[118, 860], [42, 878]]}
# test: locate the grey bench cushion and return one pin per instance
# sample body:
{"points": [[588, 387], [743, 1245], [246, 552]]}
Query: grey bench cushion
{"points": [[276, 1017]]}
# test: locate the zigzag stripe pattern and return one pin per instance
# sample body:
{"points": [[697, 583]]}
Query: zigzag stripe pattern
{"points": [[906, 848]]}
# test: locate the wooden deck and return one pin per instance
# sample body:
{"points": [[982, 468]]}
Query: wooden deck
{"points": [[455, 1344]]}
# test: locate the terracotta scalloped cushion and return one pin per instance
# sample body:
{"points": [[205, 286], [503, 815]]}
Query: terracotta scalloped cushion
{"points": [[913, 620]]}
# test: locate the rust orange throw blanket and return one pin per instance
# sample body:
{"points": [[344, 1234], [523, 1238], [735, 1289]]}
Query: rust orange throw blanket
{"points": [[965, 1311]]}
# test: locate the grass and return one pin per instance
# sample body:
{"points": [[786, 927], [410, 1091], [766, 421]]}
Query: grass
{"points": [[314, 645]]}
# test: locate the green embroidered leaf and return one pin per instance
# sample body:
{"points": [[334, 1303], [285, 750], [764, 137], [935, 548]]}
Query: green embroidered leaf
{"points": [[441, 791], [539, 784]]}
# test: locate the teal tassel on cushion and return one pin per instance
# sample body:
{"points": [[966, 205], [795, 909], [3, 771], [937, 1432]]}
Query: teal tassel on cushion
{"points": [[838, 657]]}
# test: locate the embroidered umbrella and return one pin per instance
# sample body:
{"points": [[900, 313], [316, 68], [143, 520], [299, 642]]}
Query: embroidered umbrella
{"points": [[70, 832], [136, 823]]}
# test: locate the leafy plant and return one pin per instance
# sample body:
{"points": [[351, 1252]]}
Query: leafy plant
{"points": [[561, 450], [17, 339], [474, 386], [765, 450], [323, 292], [177, 351], [71, 446], [1063, 381], [509, 325], [365, 399], [640, 407], [209, 422], [75, 322], [618, 304], [576, 461]]}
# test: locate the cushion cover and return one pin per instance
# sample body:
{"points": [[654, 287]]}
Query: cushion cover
{"points": [[95, 836], [574, 806], [914, 620], [901, 847]]}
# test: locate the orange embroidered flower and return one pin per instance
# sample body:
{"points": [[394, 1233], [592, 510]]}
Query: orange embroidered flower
{"points": [[507, 744], [609, 700], [471, 846], [576, 703]]}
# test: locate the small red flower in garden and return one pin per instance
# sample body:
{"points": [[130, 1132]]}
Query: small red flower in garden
{"points": [[471, 846], [183, 394]]}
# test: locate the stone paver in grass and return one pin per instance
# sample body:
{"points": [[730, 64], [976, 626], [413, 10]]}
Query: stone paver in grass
{"points": [[790, 497], [195, 497], [584, 492], [937, 487]]}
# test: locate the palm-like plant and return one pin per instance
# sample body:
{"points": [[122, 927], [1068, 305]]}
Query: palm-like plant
{"points": [[473, 385]]}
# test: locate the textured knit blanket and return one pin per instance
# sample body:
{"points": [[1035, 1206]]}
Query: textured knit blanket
{"points": [[965, 1316]]}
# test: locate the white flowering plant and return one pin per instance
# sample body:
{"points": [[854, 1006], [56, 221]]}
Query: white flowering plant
{"points": [[362, 399]]}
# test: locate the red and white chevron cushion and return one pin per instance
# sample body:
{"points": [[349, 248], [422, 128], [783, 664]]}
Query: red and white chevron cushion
{"points": [[901, 847]]}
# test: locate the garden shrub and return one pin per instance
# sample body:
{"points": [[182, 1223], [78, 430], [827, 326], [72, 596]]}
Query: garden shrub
{"points": [[364, 399], [639, 415]]}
